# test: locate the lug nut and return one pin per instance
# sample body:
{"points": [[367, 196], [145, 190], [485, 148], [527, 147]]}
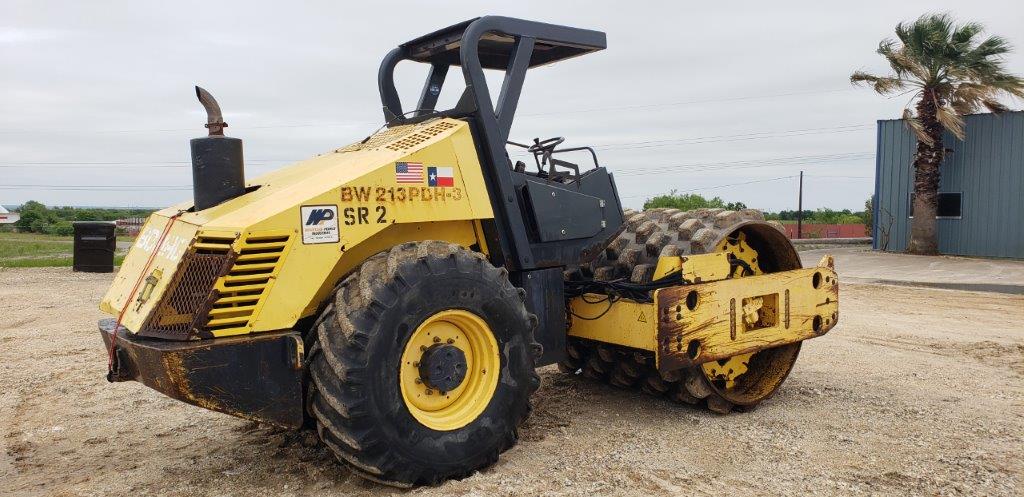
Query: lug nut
{"points": [[451, 341], [437, 339]]}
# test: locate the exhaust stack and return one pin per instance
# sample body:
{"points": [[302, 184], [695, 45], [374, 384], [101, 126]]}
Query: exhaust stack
{"points": [[218, 172]]}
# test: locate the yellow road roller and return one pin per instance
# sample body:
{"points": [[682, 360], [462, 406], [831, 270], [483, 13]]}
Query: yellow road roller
{"points": [[398, 294]]}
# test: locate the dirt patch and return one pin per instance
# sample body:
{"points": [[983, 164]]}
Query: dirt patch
{"points": [[916, 392]]}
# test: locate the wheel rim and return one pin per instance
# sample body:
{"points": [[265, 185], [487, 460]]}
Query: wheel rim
{"points": [[451, 410], [748, 378], [723, 373]]}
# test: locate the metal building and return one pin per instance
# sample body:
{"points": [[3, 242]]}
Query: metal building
{"points": [[981, 196], [7, 217]]}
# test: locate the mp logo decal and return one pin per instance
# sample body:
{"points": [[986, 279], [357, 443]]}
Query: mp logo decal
{"points": [[319, 224]]}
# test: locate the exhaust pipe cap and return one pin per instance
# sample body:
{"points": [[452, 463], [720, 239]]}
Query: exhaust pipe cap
{"points": [[214, 119]]}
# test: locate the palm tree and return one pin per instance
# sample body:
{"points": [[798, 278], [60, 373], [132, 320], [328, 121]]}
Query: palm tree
{"points": [[950, 72]]}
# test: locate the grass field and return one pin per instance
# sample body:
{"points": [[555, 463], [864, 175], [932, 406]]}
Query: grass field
{"points": [[35, 250]]}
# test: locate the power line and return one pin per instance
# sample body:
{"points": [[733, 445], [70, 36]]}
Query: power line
{"points": [[172, 163], [604, 147], [690, 102], [712, 187], [748, 163], [838, 176], [732, 138], [199, 130], [149, 188], [548, 113], [749, 133], [722, 138], [645, 171]]}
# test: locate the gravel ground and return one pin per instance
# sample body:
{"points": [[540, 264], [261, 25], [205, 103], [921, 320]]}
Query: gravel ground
{"points": [[917, 391]]}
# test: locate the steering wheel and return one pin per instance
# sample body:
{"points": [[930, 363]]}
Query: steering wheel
{"points": [[545, 145]]}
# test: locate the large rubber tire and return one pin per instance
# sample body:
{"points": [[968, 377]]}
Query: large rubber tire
{"points": [[634, 254], [354, 394]]}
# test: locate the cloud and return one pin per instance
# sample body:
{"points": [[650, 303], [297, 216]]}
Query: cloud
{"points": [[85, 85], [10, 35]]}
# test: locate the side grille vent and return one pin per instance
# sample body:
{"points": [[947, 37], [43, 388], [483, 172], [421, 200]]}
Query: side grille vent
{"points": [[380, 139], [207, 244], [421, 136], [188, 293], [241, 291]]}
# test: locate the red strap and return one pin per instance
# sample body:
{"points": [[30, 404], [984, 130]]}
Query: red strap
{"points": [[112, 352]]}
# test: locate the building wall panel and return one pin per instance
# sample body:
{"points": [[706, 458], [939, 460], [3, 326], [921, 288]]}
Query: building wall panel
{"points": [[987, 167]]}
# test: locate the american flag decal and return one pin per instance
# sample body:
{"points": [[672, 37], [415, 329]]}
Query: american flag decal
{"points": [[409, 172]]}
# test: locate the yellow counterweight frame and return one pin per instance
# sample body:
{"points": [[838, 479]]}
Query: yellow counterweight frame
{"points": [[282, 263], [713, 317]]}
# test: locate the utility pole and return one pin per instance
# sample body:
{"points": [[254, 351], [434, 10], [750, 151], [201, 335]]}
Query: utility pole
{"points": [[800, 209]]}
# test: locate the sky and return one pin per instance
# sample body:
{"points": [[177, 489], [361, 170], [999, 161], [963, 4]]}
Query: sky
{"points": [[729, 99]]}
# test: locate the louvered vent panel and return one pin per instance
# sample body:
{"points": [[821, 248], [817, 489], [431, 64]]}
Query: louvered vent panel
{"points": [[401, 138], [243, 288], [380, 139]]}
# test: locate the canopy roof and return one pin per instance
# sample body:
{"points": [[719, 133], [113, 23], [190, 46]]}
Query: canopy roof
{"points": [[553, 43]]}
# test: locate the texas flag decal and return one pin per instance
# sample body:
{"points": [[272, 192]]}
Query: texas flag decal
{"points": [[440, 176]]}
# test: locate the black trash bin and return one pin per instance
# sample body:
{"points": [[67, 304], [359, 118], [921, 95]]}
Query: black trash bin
{"points": [[95, 242]]}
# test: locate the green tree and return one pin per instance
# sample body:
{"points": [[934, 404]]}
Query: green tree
{"points": [[60, 228], [825, 215], [38, 218], [869, 215], [690, 201], [33, 215], [951, 71]]}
